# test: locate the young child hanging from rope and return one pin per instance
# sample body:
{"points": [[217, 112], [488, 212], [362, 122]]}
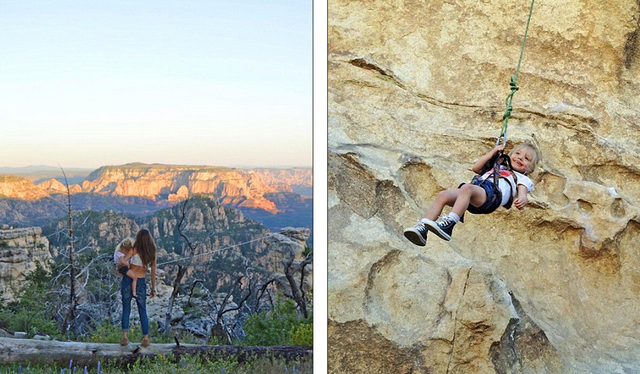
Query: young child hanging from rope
{"points": [[501, 180], [119, 255]]}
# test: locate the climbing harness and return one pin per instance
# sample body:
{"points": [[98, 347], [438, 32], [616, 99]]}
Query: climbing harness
{"points": [[500, 167], [513, 84]]}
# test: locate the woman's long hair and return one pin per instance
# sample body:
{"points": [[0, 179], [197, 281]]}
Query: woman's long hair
{"points": [[146, 247]]}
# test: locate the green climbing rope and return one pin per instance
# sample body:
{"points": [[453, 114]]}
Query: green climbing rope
{"points": [[513, 84]]}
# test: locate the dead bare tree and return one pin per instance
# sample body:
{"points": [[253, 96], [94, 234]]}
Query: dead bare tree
{"points": [[174, 294], [297, 293], [70, 316], [96, 283], [297, 290], [182, 268], [222, 329], [223, 307], [264, 289]]}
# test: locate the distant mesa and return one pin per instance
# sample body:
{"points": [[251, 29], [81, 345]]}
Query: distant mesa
{"points": [[53, 186], [159, 182], [12, 186]]}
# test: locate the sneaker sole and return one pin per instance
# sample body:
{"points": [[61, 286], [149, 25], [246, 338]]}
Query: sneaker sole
{"points": [[433, 227], [415, 237]]}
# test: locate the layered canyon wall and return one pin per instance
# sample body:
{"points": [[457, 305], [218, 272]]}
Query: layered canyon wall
{"points": [[416, 95], [21, 249], [234, 187]]}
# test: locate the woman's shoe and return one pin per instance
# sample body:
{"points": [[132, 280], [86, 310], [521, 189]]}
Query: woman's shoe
{"points": [[124, 342], [145, 342]]}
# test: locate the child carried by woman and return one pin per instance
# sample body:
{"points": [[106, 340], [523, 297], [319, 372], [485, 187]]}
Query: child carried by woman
{"points": [[122, 263]]}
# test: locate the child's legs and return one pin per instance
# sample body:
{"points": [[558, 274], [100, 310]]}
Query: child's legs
{"points": [[469, 193], [134, 281], [446, 197]]}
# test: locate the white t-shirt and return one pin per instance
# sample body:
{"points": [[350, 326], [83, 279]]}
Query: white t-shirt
{"points": [[136, 260], [505, 185], [117, 255]]}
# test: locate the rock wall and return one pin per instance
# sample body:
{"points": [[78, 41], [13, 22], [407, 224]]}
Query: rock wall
{"points": [[415, 95], [234, 187], [20, 250], [284, 179], [280, 248]]}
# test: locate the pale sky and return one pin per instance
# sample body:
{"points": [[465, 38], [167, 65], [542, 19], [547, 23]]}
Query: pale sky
{"points": [[212, 82]]}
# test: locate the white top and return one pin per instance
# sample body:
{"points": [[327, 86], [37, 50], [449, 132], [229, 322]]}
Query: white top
{"points": [[136, 260], [506, 183], [117, 255]]}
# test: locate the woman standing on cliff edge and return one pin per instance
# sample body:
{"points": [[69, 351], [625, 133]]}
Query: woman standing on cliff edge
{"points": [[142, 257]]}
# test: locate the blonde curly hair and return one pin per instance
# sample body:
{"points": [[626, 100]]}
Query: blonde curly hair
{"points": [[125, 245]]}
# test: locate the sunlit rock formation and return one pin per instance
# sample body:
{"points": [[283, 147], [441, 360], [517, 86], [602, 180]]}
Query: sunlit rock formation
{"points": [[416, 95]]}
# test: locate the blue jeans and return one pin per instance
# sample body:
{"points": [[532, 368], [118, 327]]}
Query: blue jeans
{"points": [[141, 300]]}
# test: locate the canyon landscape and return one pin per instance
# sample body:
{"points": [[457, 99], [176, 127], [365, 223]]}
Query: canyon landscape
{"points": [[276, 197], [236, 265]]}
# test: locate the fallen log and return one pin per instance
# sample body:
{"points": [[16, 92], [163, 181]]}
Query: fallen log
{"points": [[89, 354]]}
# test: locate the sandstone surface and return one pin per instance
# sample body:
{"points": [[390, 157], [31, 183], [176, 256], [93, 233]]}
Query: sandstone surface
{"points": [[415, 95]]}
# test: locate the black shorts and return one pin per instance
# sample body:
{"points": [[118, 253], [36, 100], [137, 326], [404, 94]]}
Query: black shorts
{"points": [[494, 197], [123, 270]]}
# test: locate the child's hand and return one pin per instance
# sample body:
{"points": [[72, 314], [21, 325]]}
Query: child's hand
{"points": [[498, 148], [520, 202]]}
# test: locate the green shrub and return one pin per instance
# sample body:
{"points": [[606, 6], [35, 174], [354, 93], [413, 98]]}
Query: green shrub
{"points": [[31, 323], [278, 326], [302, 334], [307, 250], [29, 312], [105, 332]]}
